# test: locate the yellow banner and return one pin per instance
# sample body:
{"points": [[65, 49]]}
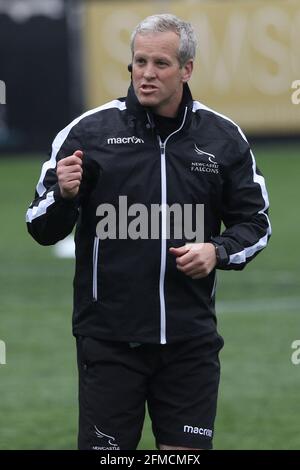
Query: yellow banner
{"points": [[248, 56]]}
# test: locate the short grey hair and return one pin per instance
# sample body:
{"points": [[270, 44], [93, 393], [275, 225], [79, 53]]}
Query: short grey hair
{"points": [[167, 22]]}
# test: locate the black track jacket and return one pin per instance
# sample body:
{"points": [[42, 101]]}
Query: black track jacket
{"points": [[130, 289]]}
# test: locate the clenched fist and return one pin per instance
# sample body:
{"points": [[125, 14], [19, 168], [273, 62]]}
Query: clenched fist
{"points": [[69, 174], [196, 260]]}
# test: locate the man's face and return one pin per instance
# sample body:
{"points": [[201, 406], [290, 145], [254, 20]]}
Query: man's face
{"points": [[156, 73]]}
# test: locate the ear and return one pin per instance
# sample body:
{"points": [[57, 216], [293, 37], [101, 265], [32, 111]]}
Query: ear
{"points": [[187, 70]]}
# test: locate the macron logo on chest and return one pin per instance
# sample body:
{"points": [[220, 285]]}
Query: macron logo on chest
{"points": [[125, 140]]}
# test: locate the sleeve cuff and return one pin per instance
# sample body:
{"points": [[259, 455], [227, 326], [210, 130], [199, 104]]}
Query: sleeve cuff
{"points": [[58, 197], [221, 254]]}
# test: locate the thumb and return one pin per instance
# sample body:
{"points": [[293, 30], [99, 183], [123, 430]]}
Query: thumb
{"points": [[179, 251], [78, 153]]}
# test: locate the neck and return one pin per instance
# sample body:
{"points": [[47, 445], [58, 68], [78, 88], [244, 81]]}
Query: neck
{"points": [[171, 110], [166, 113]]}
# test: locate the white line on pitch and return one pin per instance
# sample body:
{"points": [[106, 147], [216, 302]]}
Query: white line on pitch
{"points": [[266, 305]]}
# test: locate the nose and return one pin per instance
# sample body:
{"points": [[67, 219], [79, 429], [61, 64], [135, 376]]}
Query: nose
{"points": [[149, 72]]}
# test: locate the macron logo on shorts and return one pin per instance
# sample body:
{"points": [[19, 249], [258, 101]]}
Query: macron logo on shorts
{"points": [[125, 140], [195, 430]]}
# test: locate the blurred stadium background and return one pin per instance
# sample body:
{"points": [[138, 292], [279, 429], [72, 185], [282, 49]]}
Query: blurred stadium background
{"points": [[59, 58]]}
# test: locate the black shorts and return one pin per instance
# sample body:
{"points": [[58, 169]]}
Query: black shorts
{"points": [[179, 382]]}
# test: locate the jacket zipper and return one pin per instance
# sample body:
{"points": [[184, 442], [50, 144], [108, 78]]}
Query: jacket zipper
{"points": [[95, 269], [163, 258], [213, 291]]}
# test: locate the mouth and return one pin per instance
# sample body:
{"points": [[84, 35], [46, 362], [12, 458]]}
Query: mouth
{"points": [[147, 88]]}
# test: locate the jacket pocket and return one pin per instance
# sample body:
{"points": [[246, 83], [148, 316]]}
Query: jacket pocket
{"points": [[95, 268]]}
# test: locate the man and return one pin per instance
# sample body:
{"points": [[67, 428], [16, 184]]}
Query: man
{"points": [[144, 306]]}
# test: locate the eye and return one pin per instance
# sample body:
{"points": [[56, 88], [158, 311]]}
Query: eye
{"points": [[162, 63], [140, 61]]}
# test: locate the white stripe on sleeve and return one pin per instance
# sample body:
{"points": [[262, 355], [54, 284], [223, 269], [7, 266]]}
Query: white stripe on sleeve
{"points": [[241, 257], [238, 258], [63, 134], [41, 209]]}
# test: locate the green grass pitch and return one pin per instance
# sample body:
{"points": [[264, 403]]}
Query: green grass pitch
{"points": [[258, 316]]}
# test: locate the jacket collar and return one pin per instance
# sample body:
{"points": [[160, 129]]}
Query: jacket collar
{"points": [[145, 114]]}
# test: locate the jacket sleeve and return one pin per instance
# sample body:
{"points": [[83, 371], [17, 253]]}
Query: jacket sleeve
{"points": [[244, 211], [50, 217]]}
